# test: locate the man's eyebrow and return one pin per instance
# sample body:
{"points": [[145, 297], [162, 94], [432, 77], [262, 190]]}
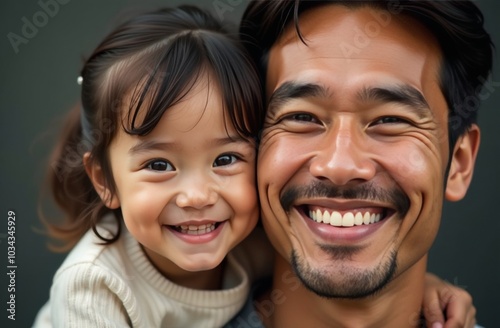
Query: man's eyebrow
{"points": [[294, 90], [148, 145], [402, 93]]}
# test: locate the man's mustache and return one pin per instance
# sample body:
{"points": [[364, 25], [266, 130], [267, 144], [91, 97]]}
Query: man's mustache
{"points": [[367, 191]]}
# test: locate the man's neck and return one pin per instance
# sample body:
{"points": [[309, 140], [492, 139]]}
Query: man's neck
{"points": [[289, 304]]}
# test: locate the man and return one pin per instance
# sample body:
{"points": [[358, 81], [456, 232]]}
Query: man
{"points": [[364, 136]]}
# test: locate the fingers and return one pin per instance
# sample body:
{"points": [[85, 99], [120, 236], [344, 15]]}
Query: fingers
{"points": [[459, 310], [432, 306], [446, 305], [433, 313]]}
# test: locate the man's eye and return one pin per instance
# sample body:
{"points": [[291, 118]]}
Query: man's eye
{"points": [[160, 165], [225, 160], [303, 117], [389, 120]]}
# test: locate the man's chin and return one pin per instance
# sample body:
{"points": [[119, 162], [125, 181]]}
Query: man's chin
{"points": [[345, 282]]}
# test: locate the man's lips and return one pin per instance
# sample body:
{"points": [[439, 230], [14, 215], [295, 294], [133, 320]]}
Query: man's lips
{"points": [[346, 225], [346, 218], [334, 198]]}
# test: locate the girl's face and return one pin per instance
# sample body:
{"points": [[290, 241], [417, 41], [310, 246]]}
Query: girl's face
{"points": [[187, 190]]}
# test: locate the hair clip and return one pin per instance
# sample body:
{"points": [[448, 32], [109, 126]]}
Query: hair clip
{"points": [[79, 80]]}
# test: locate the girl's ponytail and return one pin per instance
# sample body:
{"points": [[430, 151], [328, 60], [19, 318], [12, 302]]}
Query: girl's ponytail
{"points": [[71, 188]]}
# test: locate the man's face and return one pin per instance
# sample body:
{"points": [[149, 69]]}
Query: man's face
{"points": [[353, 156]]}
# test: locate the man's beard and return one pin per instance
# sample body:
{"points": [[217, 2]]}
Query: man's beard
{"points": [[351, 283]]}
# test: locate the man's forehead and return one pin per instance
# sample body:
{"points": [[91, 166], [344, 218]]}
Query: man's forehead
{"points": [[334, 39]]}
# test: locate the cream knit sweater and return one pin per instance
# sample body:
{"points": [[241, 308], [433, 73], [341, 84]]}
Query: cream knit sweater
{"points": [[117, 286]]}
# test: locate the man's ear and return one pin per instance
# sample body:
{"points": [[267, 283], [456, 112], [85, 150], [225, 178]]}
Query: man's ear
{"points": [[462, 164], [96, 175]]}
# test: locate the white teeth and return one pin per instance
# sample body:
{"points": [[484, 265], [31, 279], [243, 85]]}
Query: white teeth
{"points": [[348, 220], [358, 219], [366, 218], [334, 218], [196, 230], [326, 217]]}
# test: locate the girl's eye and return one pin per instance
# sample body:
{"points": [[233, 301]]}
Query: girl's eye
{"points": [[160, 165], [225, 160]]}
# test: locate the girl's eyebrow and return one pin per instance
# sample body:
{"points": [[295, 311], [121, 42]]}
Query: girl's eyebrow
{"points": [[227, 140], [148, 145]]}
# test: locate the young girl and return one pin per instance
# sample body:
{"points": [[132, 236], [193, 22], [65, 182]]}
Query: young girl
{"points": [[156, 174], [166, 140]]}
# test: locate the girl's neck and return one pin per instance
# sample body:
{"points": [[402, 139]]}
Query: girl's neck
{"points": [[202, 280]]}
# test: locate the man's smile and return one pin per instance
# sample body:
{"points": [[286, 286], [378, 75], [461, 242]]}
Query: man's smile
{"points": [[344, 221], [347, 218]]}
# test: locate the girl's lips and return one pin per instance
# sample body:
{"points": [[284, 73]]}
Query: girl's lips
{"points": [[196, 234], [192, 229]]}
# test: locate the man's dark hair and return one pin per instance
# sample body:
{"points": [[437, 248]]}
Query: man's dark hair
{"points": [[457, 25]]}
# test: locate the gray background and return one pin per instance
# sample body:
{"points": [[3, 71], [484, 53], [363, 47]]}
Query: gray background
{"points": [[38, 85]]}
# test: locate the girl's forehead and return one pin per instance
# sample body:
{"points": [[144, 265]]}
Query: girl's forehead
{"points": [[146, 92], [201, 103]]}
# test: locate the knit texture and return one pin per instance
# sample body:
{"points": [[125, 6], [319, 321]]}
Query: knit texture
{"points": [[117, 286]]}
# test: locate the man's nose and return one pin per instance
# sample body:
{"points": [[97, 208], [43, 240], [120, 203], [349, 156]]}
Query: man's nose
{"points": [[197, 191], [343, 157]]}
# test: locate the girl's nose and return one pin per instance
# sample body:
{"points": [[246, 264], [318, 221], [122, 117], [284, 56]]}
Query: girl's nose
{"points": [[197, 192]]}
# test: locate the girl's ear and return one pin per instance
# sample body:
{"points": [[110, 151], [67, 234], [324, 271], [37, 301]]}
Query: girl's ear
{"points": [[96, 175], [462, 164]]}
